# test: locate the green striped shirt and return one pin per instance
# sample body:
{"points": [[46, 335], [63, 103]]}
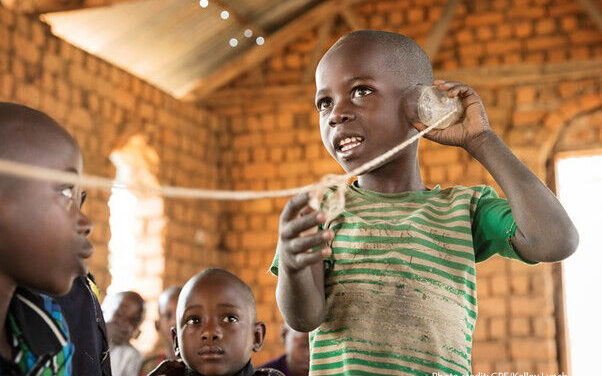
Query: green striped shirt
{"points": [[400, 286]]}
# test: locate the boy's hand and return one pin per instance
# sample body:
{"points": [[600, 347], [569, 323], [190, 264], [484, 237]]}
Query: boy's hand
{"points": [[294, 248], [169, 368], [473, 123]]}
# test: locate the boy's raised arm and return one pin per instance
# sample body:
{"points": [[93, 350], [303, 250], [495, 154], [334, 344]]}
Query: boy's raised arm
{"points": [[300, 287], [544, 230]]}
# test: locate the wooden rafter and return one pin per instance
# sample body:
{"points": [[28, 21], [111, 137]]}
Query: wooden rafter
{"points": [[593, 11], [50, 6], [257, 54], [316, 53], [352, 19], [242, 20], [434, 39]]}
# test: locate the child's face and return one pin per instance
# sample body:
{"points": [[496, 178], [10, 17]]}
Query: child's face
{"points": [[359, 98], [128, 314], [43, 234], [216, 330], [167, 318]]}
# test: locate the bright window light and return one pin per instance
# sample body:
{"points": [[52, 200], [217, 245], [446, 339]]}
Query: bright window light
{"points": [[233, 42], [224, 14], [579, 182], [204, 3], [136, 257], [260, 41], [248, 33]]}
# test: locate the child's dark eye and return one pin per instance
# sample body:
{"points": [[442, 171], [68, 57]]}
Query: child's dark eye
{"points": [[67, 192], [192, 320], [230, 319], [83, 198], [323, 104], [361, 91]]}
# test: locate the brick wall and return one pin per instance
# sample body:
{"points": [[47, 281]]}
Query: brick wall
{"points": [[102, 107], [267, 138], [273, 142]]}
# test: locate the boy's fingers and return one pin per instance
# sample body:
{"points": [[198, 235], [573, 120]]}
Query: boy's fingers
{"points": [[293, 206], [302, 244], [293, 228], [308, 258]]}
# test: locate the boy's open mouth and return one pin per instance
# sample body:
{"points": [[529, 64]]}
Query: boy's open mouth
{"points": [[349, 143]]}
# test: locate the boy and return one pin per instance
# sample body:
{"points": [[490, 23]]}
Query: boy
{"points": [[81, 309], [168, 301], [295, 360], [43, 243], [124, 312], [392, 289], [217, 328]]}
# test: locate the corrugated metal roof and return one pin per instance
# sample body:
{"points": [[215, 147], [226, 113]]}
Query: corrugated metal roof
{"points": [[171, 43]]}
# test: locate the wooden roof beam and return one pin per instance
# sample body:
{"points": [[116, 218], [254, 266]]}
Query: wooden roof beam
{"points": [[257, 54], [593, 11], [439, 31], [50, 6]]}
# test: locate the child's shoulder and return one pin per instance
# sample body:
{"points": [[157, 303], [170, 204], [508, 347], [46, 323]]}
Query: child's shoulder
{"points": [[459, 191], [267, 372]]}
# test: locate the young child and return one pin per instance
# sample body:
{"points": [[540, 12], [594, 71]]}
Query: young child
{"points": [[295, 360], [43, 244], [392, 289], [124, 312], [168, 301], [217, 328]]}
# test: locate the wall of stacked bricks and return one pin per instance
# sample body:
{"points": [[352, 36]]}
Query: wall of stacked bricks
{"points": [[273, 142], [103, 106]]}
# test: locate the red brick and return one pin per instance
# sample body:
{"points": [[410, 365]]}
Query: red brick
{"points": [[520, 326], [490, 351], [527, 117], [523, 29], [546, 42], [480, 19], [530, 305], [532, 349], [545, 26], [586, 36]]}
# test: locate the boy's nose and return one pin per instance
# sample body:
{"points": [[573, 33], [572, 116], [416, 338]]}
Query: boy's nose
{"points": [[340, 115], [211, 332], [84, 225]]}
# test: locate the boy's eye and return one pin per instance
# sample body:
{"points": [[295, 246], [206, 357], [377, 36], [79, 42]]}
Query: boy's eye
{"points": [[361, 91], [230, 319], [323, 104], [83, 198], [192, 320], [67, 192]]}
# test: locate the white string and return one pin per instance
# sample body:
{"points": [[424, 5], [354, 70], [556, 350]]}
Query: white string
{"points": [[41, 173]]}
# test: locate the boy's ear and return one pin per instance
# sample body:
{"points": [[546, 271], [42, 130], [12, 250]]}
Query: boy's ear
{"points": [[157, 325], [174, 340], [258, 335]]}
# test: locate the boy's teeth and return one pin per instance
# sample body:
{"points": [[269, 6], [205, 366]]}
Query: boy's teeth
{"points": [[348, 140], [349, 146]]}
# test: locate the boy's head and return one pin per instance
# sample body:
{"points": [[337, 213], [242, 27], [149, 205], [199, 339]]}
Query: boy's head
{"points": [[296, 347], [216, 329], [168, 302], [361, 85], [43, 234], [126, 309]]}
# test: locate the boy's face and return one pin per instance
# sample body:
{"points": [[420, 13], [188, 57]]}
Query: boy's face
{"points": [[216, 330], [167, 318], [128, 314], [43, 234], [359, 98]]}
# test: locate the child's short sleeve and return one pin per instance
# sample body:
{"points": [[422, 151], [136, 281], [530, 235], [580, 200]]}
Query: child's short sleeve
{"points": [[492, 228]]}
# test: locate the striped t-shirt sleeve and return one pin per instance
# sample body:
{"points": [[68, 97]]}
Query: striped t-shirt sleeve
{"points": [[493, 226]]}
